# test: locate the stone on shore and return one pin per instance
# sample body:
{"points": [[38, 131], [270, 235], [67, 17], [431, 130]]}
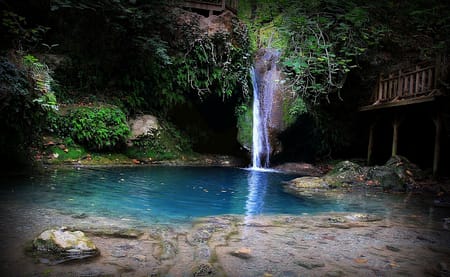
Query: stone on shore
{"points": [[58, 245]]}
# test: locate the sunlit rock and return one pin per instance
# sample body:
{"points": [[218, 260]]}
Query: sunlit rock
{"points": [[143, 125], [59, 245]]}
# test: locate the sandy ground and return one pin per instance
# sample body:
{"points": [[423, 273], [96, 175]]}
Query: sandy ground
{"points": [[338, 244]]}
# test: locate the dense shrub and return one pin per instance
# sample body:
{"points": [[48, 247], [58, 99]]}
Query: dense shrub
{"points": [[98, 128]]}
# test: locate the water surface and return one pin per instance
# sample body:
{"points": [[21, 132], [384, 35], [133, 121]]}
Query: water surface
{"points": [[177, 194]]}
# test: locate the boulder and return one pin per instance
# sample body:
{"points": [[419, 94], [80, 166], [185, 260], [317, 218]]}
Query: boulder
{"points": [[406, 170], [307, 183], [303, 169], [387, 178], [143, 125], [346, 173], [59, 245]]}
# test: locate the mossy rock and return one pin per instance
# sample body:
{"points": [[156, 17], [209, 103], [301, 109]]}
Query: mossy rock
{"points": [[387, 178], [406, 170], [346, 173], [56, 246], [308, 183]]}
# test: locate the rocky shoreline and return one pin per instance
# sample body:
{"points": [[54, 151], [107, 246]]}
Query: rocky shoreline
{"points": [[333, 244]]}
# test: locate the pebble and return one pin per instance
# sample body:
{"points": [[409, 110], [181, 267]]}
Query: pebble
{"points": [[140, 258], [243, 253]]}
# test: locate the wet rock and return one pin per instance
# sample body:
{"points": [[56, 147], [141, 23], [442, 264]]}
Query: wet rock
{"points": [[118, 253], [80, 216], [309, 264], [307, 183], [203, 253], [363, 217], [337, 273], [345, 173], [204, 269], [387, 178], [116, 232], [336, 219], [201, 236], [140, 258], [303, 169], [243, 253], [169, 250], [392, 248], [406, 170], [60, 246]]}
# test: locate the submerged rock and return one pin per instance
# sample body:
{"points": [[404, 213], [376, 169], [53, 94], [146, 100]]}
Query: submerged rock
{"points": [[59, 246], [308, 183]]}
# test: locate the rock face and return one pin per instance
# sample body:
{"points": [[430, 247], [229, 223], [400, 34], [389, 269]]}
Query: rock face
{"points": [[143, 125], [57, 246]]}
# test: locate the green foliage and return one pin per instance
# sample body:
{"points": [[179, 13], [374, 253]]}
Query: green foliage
{"points": [[23, 104], [325, 44], [213, 63], [98, 128], [40, 76], [17, 31], [73, 152], [293, 107], [244, 114], [164, 143]]}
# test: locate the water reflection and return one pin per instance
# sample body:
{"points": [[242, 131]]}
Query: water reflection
{"points": [[257, 187]]}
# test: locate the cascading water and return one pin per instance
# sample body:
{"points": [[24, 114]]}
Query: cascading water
{"points": [[264, 79]]}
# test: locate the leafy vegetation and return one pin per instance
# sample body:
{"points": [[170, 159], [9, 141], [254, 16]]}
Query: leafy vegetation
{"points": [[164, 143], [26, 97], [97, 128], [323, 41], [244, 114]]}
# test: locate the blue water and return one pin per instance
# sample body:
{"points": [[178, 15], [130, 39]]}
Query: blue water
{"points": [[171, 194]]}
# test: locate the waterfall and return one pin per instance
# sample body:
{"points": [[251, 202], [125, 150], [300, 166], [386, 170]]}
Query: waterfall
{"points": [[256, 130], [264, 79]]}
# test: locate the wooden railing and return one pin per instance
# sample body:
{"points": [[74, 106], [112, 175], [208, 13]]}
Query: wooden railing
{"points": [[212, 5], [404, 84]]}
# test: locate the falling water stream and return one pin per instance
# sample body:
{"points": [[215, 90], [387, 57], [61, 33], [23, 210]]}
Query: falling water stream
{"points": [[264, 80]]}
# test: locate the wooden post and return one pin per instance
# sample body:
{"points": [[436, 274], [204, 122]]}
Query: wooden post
{"points": [[437, 144], [395, 126], [437, 71], [370, 144], [400, 84], [380, 89]]}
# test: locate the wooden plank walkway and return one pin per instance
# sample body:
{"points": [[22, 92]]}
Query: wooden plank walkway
{"points": [[405, 87], [212, 5]]}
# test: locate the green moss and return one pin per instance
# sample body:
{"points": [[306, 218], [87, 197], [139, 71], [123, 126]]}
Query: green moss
{"points": [[244, 115], [166, 143], [73, 153]]}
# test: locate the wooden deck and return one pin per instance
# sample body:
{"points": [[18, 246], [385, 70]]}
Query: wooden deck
{"points": [[403, 88], [406, 87], [212, 5]]}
